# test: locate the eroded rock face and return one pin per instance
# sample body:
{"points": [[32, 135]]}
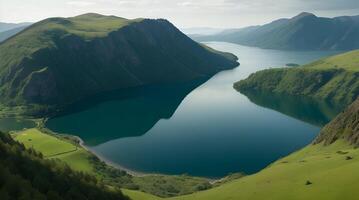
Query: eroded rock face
{"points": [[344, 126]]}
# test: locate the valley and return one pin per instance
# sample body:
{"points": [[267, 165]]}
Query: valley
{"points": [[155, 123], [104, 107]]}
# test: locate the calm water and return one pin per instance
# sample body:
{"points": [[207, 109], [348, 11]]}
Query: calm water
{"points": [[13, 124], [203, 128]]}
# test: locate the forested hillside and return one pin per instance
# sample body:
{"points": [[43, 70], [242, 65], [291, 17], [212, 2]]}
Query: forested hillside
{"points": [[24, 174]]}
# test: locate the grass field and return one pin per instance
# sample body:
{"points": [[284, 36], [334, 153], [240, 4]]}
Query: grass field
{"points": [[315, 172], [53, 147], [348, 61], [138, 195]]}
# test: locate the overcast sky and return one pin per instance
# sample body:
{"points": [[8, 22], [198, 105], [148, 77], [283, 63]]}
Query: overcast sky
{"points": [[187, 13]]}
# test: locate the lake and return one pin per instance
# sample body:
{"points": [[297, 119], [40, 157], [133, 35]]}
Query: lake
{"points": [[15, 124], [202, 128]]}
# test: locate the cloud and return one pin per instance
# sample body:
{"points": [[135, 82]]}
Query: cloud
{"points": [[284, 5], [184, 13], [80, 3]]}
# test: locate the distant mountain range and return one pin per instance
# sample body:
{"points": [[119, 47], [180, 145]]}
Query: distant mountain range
{"points": [[58, 61], [8, 26], [201, 30], [302, 32], [7, 34], [9, 29]]}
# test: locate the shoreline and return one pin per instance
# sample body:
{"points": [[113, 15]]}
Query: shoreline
{"points": [[106, 161], [41, 126], [133, 172]]}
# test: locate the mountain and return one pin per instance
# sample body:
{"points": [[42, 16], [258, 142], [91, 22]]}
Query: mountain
{"points": [[302, 32], [7, 34], [334, 79], [59, 61], [9, 26]]}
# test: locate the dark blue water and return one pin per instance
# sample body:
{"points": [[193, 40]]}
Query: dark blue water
{"points": [[202, 128]]}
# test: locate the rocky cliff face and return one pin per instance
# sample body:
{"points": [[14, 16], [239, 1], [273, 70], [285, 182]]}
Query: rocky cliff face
{"points": [[64, 66], [344, 126]]}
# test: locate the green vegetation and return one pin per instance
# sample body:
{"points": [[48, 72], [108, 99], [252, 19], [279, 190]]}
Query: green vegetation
{"points": [[54, 147], [329, 171], [7, 34], [334, 79], [302, 32], [24, 174], [59, 61], [49, 146], [66, 149], [167, 186], [344, 126]]}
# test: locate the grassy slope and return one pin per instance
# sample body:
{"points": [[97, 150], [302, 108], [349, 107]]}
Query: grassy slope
{"points": [[330, 172], [52, 147], [335, 79], [138, 195], [79, 159], [347, 61], [88, 26]]}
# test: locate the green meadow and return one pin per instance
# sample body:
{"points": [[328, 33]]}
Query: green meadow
{"points": [[55, 147], [79, 159]]}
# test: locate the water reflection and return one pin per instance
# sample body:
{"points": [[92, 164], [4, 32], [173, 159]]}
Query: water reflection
{"points": [[14, 124], [123, 113], [313, 111]]}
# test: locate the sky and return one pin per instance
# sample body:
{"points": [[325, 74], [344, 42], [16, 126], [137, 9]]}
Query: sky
{"points": [[184, 14]]}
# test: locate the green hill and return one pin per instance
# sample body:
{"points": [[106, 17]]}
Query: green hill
{"points": [[24, 174], [335, 79], [302, 32], [59, 61]]}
